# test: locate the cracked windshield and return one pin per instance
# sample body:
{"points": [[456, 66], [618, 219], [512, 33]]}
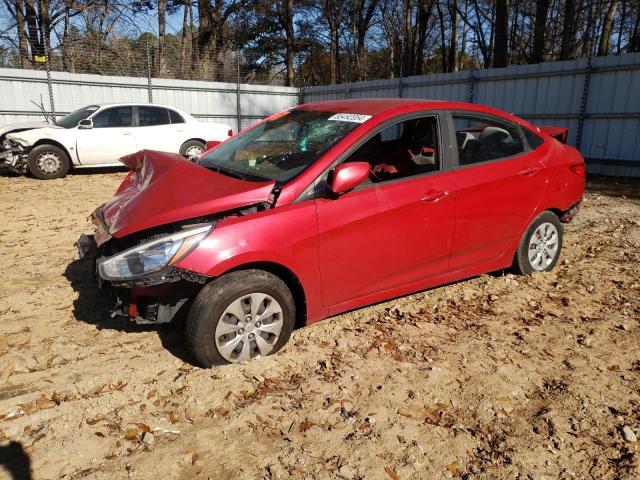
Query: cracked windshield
{"points": [[281, 148]]}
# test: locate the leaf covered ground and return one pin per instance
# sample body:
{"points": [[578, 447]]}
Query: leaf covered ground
{"points": [[494, 377]]}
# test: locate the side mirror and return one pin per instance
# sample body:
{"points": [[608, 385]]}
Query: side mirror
{"points": [[348, 176], [85, 124]]}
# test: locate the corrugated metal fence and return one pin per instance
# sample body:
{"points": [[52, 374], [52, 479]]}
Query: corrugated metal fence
{"points": [[597, 99], [210, 101]]}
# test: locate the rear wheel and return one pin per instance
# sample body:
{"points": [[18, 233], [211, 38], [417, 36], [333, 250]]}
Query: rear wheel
{"points": [[238, 317], [192, 149], [539, 248], [47, 162]]}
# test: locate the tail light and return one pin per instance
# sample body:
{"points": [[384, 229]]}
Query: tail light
{"points": [[579, 169], [230, 133]]}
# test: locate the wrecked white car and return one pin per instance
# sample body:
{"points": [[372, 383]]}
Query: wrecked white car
{"points": [[99, 135]]}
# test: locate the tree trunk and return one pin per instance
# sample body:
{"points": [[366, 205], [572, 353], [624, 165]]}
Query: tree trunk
{"points": [[568, 30], [453, 44], [162, 9], [290, 43], [605, 36], [22, 35], [443, 43], [542, 10], [587, 37], [183, 39], [500, 52], [634, 41]]}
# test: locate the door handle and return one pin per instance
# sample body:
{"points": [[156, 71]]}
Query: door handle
{"points": [[527, 172], [433, 196], [128, 134]]}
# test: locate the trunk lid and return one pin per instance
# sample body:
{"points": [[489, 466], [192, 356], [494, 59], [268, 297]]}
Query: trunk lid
{"points": [[165, 188]]}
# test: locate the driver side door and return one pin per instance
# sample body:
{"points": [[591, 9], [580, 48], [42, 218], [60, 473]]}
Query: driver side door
{"points": [[388, 236], [111, 137]]}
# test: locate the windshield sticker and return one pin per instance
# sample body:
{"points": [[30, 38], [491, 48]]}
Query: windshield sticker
{"points": [[349, 117]]}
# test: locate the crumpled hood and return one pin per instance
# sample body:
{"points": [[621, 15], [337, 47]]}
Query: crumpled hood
{"points": [[165, 188], [10, 127]]}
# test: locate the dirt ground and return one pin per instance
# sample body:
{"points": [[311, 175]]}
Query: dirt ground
{"points": [[494, 377]]}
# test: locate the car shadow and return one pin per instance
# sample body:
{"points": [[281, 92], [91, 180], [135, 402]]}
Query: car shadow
{"points": [[15, 461], [93, 306]]}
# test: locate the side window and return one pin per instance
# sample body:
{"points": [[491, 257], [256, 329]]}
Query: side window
{"points": [[152, 116], [483, 139], [402, 150], [533, 140], [175, 117], [113, 117]]}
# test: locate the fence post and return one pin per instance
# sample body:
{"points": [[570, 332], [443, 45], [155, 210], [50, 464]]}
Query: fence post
{"points": [[149, 87], [50, 86], [238, 94], [583, 103]]}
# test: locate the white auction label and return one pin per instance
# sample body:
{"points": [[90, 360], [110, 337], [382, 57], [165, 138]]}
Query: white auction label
{"points": [[350, 117]]}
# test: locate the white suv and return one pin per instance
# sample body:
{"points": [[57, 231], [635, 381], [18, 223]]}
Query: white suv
{"points": [[98, 135]]}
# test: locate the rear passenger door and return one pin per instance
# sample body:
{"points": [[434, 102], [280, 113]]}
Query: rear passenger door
{"points": [[499, 184], [154, 130]]}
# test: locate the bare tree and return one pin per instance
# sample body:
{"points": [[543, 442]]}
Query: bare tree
{"points": [[500, 50], [605, 35]]}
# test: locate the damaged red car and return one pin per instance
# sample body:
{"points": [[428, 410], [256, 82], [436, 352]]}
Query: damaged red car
{"points": [[325, 208]]}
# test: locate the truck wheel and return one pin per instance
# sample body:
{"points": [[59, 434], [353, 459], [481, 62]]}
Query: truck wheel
{"points": [[539, 248], [192, 149], [47, 162], [238, 317]]}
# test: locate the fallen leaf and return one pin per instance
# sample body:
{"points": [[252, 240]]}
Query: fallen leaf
{"points": [[305, 425], [131, 434], [43, 403], [391, 473], [151, 393], [453, 469], [194, 458], [144, 427], [6, 371]]}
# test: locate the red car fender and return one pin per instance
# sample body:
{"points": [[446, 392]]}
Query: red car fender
{"points": [[285, 237]]}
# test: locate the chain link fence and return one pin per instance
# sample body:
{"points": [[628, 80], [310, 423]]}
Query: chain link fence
{"points": [[145, 56]]}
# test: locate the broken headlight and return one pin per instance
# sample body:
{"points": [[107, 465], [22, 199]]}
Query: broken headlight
{"points": [[152, 256]]}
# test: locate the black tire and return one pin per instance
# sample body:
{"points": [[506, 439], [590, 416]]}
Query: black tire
{"points": [[522, 265], [213, 300], [184, 149], [56, 155]]}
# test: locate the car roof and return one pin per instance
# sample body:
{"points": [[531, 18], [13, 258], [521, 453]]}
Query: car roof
{"points": [[379, 106], [131, 104]]}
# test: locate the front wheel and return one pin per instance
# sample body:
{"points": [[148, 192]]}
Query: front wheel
{"points": [[192, 149], [47, 162], [539, 248], [238, 317]]}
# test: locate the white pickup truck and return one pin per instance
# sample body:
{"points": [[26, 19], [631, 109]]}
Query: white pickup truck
{"points": [[99, 135]]}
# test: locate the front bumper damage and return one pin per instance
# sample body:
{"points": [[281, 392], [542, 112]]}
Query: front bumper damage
{"points": [[13, 157], [157, 298]]}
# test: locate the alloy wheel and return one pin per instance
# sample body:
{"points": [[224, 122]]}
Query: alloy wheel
{"points": [[249, 328], [543, 246]]}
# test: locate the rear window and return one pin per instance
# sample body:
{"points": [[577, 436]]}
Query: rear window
{"points": [[533, 140], [152, 116]]}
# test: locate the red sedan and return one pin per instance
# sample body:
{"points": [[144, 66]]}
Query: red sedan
{"points": [[325, 208]]}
